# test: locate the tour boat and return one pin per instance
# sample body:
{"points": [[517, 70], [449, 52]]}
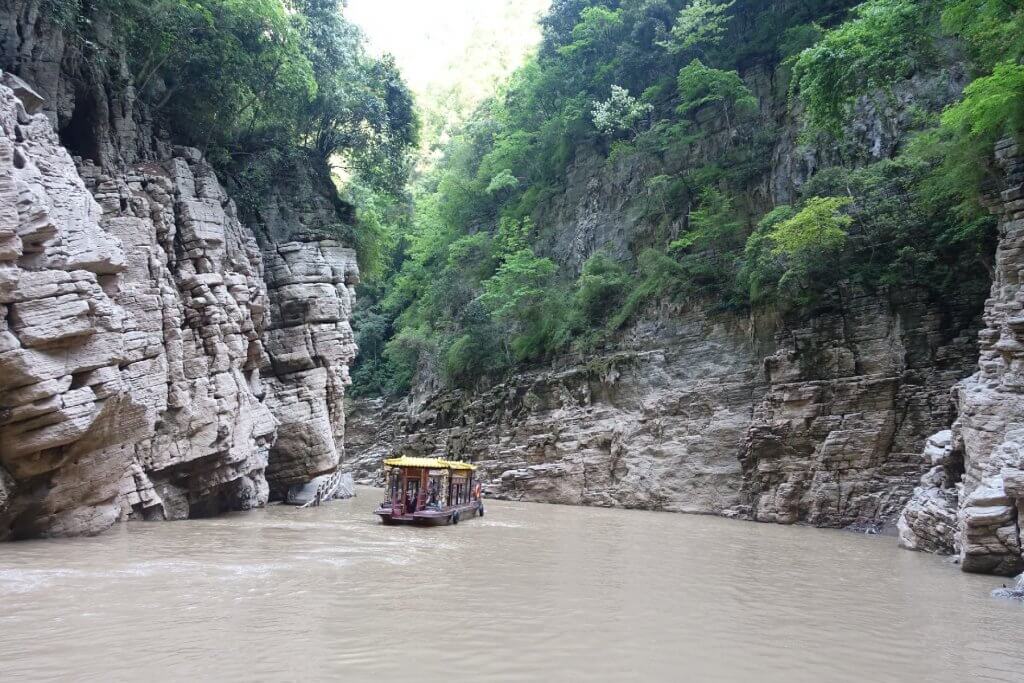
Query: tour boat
{"points": [[429, 491]]}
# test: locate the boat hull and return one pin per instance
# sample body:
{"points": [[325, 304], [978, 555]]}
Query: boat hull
{"points": [[430, 517]]}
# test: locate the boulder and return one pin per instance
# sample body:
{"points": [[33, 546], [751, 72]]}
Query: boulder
{"points": [[31, 100]]}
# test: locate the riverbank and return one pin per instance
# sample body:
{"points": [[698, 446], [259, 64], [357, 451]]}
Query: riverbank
{"points": [[529, 591]]}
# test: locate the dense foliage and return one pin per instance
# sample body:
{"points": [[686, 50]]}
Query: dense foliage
{"points": [[679, 88], [679, 85], [263, 87]]}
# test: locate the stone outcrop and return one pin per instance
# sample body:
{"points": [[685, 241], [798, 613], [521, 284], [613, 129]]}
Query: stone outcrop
{"points": [[370, 436], [713, 414], [983, 485], [65, 408], [198, 305], [134, 308], [157, 361], [311, 281], [991, 402], [836, 439], [928, 522]]}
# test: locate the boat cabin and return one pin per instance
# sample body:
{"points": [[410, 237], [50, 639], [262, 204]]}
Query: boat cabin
{"points": [[430, 491]]}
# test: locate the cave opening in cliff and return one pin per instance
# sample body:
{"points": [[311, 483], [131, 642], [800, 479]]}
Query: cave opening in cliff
{"points": [[79, 133]]}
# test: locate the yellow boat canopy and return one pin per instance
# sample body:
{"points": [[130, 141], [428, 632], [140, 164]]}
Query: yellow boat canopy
{"points": [[431, 463]]}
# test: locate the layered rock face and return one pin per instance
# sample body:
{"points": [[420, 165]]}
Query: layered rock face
{"points": [[156, 360], [311, 281], [65, 408], [970, 504], [836, 439], [134, 308], [197, 301], [820, 424]]}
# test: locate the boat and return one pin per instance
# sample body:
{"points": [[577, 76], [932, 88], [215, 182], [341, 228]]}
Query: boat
{"points": [[429, 492]]}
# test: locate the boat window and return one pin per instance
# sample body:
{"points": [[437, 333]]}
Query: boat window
{"points": [[434, 491], [412, 490]]}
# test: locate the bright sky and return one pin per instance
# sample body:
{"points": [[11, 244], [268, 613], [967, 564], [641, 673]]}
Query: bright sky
{"points": [[428, 36]]}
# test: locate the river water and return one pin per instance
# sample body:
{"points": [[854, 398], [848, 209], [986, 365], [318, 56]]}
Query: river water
{"points": [[529, 592]]}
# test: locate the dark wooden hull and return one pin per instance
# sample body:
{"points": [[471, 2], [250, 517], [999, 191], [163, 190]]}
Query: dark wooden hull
{"points": [[430, 517]]}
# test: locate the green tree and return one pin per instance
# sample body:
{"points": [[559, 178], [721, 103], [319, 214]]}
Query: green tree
{"points": [[700, 24], [600, 289], [993, 106], [761, 267], [885, 41], [621, 112], [521, 294], [820, 226], [701, 86], [598, 27]]}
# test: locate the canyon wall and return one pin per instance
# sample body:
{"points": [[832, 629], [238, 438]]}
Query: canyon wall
{"points": [[822, 424], [970, 501], [818, 418], [157, 360], [830, 423], [311, 281]]}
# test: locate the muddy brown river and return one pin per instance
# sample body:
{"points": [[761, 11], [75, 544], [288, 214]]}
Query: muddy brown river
{"points": [[528, 593]]}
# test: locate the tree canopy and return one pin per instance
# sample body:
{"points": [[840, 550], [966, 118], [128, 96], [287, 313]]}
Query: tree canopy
{"points": [[689, 104]]}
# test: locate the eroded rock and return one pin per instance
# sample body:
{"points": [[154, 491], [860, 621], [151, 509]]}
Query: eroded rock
{"points": [[822, 424], [59, 326], [989, 431], [311, 279], [135, 319]]}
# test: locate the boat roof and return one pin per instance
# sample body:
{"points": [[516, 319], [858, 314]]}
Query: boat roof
{"points": [[432, 463]]}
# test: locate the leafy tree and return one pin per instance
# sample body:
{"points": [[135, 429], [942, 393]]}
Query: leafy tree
{"points": [[521, 295], [808, 243], [597, 28], [885, 41], [251, 82], [402, 355], [218, 70], [819, 227], [797, 39], [501, 182], [761, 267], [700, 24], [473, 356], [993, 106], [600, 289], [700, 86], [659, 275], [715, 218], [621, 112], [513, 236], [665, 197], [520, 286], [991, 30]]}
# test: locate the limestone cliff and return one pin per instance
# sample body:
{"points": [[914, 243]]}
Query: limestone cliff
{"points": [[817, 418], [970, 502], [157, 361], [311, 280], [821, 423]]}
